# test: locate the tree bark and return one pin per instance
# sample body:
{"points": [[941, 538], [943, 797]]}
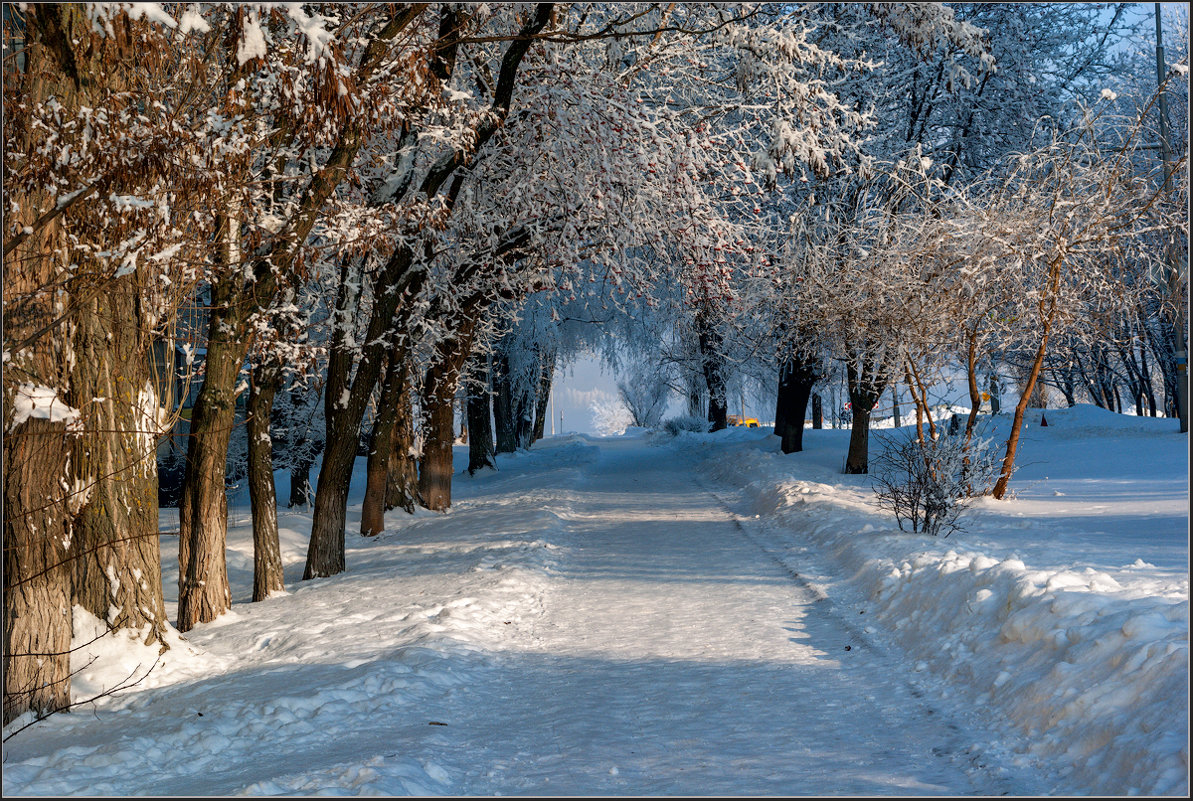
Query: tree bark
{"points": [[479, 410], [203, 593], [38, 515], [817, 411], [712, 363], [117, 573], [524, 416], [268, 576], [543, 395], [438, 393], [346, 398], [401, 486], [390, 413], [504, 422], [796, 378], [44, 492], [304, 444], [865, 387], [300, 483], [37, 545]]}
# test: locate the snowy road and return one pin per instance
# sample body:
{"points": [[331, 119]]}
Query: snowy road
{"points": [[674, 656], [586, 621]]}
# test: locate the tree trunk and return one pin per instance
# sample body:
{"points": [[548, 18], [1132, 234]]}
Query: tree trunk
{"points": [[865, 387], [713, 365], [438, 395], [523, 416], [1048, 315], [203, 593], [1034, 390], [857, 460], [325, 552], [300, 483], [695, 395], [796, 379], [44, 492], [117, 573], [781, 404], [543, 395], [817, 411], [37, 602], [504, 422], [971, 383], [1004, 478], [37, 514], [398, 279], [480, 426], [401, 485], [1145, 375], [381, 450], [267, 550]]}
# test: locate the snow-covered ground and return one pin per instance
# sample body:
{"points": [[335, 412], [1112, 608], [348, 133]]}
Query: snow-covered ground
{"points": [[693, 616]]}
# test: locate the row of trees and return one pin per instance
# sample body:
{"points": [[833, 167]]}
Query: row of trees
{"points": [[342, 215], [1014, 218]]}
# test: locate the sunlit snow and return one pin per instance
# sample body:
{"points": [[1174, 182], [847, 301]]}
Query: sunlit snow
{"points": [[701, 615]]}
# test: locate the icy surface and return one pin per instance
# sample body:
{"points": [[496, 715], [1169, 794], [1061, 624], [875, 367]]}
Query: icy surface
{"points": [[692, 616]]}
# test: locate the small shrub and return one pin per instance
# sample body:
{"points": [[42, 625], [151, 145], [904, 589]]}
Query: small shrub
{"points": [[675, 425], [929, 485]]}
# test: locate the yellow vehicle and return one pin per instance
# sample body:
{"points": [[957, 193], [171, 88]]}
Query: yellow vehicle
{"points": [[735, 420]]}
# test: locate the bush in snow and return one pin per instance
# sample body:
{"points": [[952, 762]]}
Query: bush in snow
{"points": [[929, 483], [675, 425]]}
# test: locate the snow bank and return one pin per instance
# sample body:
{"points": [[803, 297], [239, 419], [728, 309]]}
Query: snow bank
{"points": [[1090, 670]]}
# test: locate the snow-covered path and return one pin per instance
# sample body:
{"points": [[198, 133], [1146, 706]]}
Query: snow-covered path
{"points": [[589, 620], [674, 656], [702, 616]]}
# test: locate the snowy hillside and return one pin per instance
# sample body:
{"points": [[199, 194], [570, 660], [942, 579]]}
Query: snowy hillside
{"points": [[681, 616]]}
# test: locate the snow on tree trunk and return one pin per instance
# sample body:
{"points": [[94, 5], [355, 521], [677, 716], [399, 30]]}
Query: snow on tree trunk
{"points": [[267, 552]]}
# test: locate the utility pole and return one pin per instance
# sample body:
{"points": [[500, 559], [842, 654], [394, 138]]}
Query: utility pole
{"points": [[1174, 272]]}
